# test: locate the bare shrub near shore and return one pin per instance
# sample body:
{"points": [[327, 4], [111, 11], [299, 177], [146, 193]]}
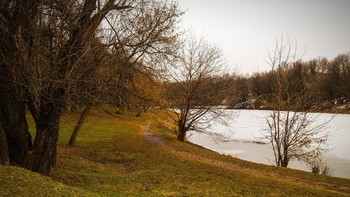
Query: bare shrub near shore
{"points": [[293, 134], [318, 166]]}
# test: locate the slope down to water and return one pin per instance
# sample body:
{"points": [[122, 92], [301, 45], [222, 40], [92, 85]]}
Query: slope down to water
{"points": [[121, 155]]}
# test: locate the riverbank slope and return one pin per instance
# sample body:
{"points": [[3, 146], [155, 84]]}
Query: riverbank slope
{"points": [[123, 155]]}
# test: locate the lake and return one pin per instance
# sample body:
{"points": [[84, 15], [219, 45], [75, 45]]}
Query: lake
{"points": [[246, 128]]}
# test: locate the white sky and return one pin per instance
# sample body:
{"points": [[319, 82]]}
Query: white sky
{"points": [[245, 29]]}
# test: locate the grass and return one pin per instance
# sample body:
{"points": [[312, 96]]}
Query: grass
{"points": [[20, 182], [112, 157]]}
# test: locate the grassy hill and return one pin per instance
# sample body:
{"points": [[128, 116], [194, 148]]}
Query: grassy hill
{"points": [[121, 155], [20, 182]]}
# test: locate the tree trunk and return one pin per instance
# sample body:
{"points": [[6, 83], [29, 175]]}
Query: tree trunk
{"points": [[15, 32], [4, 155], [285, 160], [43, 156], [12, 116], [80, 122], [181, 131], [181, 134]]}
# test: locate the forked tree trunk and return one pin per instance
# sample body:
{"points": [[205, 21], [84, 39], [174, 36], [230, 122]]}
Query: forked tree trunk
{"points": [[12, 116], [43, 155], [80, 122], [16, 32]]}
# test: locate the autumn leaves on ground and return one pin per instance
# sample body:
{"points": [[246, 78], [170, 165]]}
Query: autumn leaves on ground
{"points": [[121, 155]]}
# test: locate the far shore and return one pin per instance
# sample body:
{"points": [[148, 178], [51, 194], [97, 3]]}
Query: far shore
{"points": [[323, 111]]}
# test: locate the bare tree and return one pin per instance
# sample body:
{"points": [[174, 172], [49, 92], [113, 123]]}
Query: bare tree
{"points": [[196, 63], [294, 135], [91, 88], [43, 55], [63, 34], [127, 46]]}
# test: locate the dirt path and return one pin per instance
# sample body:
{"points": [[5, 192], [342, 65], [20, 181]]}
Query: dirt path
{"points": [[158, 141], [149, 137]]}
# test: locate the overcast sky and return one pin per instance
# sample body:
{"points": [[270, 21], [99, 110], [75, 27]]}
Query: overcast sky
{"points": [[245, 29]]}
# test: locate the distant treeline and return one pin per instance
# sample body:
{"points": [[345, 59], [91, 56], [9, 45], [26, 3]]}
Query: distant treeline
{"points": [[319, 85]]}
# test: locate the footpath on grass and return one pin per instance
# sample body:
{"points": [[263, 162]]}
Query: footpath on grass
{"points": [[124, 155], [159, 141]]}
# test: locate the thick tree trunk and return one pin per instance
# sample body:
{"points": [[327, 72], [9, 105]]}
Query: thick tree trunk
{"points": [[16, 45], [13, 117], [4, 155], [43, 155], [80, 122]]}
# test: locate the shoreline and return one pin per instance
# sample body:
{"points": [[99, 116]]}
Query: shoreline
{"points": [[262, 153]]}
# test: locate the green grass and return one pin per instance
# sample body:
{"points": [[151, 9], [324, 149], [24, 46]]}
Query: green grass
{"points": [[16, 181], [111, 158]]}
